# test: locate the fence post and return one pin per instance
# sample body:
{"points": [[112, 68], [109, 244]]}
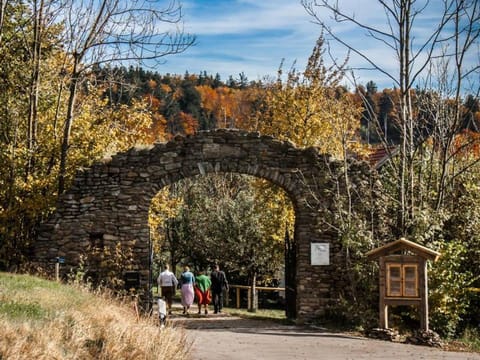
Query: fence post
{"points": [[57, 271]]}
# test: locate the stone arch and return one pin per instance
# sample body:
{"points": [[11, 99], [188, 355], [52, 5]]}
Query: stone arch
{"points": [[111, 200]]}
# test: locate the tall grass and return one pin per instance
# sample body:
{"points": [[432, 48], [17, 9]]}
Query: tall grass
{"points": [[40, 319], [471, 338]]}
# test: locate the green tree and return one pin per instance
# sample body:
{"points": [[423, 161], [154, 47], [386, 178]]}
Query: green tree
{"points": [[226, 218]]}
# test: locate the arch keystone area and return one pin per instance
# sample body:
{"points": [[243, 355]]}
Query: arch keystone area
{"points": [[109, 202]]}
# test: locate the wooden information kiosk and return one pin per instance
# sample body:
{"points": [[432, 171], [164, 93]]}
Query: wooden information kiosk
{"points": [[403, 277]]}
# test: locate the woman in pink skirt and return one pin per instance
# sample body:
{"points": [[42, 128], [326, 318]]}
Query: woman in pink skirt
{"points": [[187, 292]]}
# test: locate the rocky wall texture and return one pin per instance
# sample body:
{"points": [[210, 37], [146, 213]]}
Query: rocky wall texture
{"points": [[110, 201]]}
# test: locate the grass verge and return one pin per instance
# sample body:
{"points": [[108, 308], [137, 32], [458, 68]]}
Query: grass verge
{"points": [[42, 319], [261, 314], [469, 341]]}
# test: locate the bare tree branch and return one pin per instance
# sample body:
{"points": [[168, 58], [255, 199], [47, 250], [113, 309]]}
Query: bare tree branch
{"points": [[115, 31]]}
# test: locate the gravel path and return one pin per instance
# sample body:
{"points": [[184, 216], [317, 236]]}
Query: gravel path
{"points": [[224, 337]]}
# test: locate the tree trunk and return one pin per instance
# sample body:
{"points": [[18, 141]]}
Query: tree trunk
{"points": [[67, 127], [34, 88], [290, 277], [3, 8], [253, 294]]}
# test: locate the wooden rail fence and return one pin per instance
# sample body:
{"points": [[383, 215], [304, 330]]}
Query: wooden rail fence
{"points": [[238, 288]]}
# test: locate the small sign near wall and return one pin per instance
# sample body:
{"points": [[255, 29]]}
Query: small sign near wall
{"points": [[320, 253]]}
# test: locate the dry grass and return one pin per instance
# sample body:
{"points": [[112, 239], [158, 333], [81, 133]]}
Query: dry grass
{"points": [[44, 320]]}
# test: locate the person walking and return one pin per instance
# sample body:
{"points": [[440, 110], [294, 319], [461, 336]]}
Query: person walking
{"points": [[188, 281], [219, 284], [167, 283], [202, 291]]}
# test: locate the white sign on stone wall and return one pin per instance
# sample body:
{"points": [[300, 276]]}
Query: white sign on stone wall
{"points": [[320, 253]]}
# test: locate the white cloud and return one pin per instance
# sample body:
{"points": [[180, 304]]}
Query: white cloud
{"points": [[246, 17], [253, 36]]}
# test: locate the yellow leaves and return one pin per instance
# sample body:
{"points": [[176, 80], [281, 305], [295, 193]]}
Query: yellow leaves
{"points": [[30, 196], [471, 187], [101, 129], [31, 183], [130, 124], [164, 206], [275, 207], [310, 116], [309, 109]]}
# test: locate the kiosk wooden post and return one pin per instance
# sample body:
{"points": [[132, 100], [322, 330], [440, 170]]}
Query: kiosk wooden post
{"points": [[403, 278]]}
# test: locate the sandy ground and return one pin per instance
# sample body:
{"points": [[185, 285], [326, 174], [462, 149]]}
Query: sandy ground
{"points": [[224, 337]]}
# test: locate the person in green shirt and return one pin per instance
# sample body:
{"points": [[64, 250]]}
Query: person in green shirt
{"points": [[202, 291]]}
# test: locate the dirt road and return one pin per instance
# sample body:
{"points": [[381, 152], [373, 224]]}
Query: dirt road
{"points": [[232, 338]]}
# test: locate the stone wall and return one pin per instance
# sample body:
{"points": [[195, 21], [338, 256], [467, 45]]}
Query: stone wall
{"points": [[111, 201]]}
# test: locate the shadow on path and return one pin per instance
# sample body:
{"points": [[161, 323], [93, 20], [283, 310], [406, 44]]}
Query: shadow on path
{"points": [[234, 324], [225, 336]]}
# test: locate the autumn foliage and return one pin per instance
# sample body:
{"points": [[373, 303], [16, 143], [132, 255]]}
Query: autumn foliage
{"points": [[114, 108]]}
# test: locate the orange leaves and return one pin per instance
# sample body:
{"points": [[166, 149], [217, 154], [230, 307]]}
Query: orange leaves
{"points": [[209, 98], [152, 84], [165, 88], [467, 144], [158, 128], [153, 102], [188, 123], [220, 103]]}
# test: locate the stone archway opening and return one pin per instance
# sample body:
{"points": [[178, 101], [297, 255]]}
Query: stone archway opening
{"points": [[238, 221], [109, 204]]}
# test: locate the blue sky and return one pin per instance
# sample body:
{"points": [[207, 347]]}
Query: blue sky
{"points": [[253, 36], [247, 36]]}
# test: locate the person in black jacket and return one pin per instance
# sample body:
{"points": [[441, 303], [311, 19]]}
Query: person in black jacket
{"points": [[219, 283]]}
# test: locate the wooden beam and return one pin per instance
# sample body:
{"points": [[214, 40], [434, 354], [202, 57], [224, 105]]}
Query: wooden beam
{"points": [[424, 296], [403, 244], [238, 297]]}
